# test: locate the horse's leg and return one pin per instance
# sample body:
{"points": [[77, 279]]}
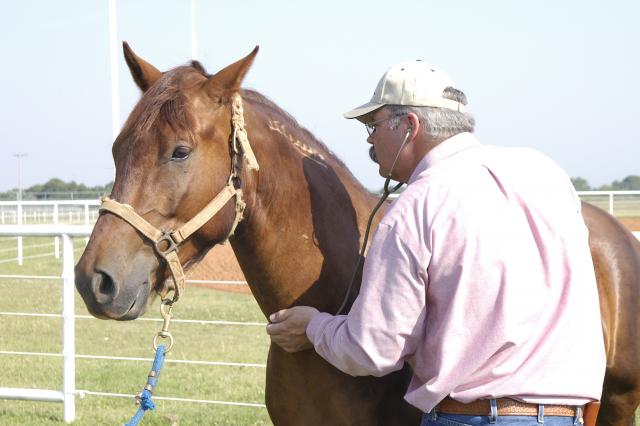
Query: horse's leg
{"points": [[616, 260], [303, 389], [282, 403], [618, 405]]}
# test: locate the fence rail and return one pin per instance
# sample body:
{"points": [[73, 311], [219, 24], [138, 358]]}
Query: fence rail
{"points": [[68, 354], [47, 212], [66, 232], [67, 396], [628, 202]]}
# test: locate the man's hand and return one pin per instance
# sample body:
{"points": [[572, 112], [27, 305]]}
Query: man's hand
{"points": [[288, 328]]}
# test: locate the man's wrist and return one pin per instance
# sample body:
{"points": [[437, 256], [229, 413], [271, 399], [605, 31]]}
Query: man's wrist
{"points": [[315, 324]]}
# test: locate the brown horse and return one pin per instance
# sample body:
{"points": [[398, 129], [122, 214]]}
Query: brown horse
{"points": [[296, 244]]}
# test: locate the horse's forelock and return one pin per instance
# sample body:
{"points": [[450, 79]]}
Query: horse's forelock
{"points": [[198, 66], [164, 104]]}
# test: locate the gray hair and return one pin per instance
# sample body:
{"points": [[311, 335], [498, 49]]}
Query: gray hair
{"points": [[438, 123]]}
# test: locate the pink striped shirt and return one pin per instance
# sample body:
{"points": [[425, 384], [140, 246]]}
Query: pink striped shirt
{"points": [[479, 276]]}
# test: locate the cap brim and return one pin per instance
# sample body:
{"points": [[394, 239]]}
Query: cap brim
{"points": [[363, 111]]}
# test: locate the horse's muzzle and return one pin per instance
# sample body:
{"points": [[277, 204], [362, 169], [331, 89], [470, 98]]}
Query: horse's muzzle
{"points": [[107, 297]]}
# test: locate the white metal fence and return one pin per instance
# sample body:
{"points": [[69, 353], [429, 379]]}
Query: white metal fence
{"points": [[69, 391], [69, 219], [618, 203], [70, 212]]}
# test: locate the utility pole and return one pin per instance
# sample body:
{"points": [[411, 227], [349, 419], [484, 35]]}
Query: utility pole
{"points": [[20, 156], [115, 87], [194, 46]]}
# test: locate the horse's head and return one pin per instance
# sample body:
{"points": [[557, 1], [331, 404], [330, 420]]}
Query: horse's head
{"points": [[173, 156]]}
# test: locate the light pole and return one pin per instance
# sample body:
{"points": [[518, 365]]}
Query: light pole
{"points": [[115, 85], [20, 156], [194, 49]]}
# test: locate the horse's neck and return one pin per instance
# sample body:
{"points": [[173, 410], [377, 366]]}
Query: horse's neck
{"points": [[300, 238]]}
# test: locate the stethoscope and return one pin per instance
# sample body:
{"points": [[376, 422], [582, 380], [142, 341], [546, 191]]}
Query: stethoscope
{"points": [[385, 194]]}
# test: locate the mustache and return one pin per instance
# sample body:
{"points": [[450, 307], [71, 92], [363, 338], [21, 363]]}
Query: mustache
{"points": [[372, 155]]}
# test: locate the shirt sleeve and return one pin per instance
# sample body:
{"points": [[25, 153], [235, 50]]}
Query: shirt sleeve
{"points": [[386, 320]]}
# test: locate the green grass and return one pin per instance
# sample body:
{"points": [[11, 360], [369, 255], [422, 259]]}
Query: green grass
{"points": [[202, 342], [132, 339], [623, 205]]}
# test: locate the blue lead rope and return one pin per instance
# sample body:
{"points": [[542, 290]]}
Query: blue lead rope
{"points": [[144, 397]]}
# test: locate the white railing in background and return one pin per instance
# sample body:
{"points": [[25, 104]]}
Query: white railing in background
{"points": [[47, 212], [591, 196], [594, 197], [68, 393]]}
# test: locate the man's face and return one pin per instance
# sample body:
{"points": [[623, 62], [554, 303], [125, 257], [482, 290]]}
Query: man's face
{"points": [[385, 140]]}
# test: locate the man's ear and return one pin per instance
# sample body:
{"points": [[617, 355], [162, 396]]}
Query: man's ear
{"points": [[413, 125]]}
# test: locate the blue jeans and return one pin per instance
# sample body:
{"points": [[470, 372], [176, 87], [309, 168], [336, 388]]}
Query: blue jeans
{"points": [[440, 419]]}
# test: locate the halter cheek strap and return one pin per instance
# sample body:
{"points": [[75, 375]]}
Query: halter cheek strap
{"points": [[166, 242]]}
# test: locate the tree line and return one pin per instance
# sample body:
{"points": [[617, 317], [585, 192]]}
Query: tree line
{"points": [[630, 183], [57, 189]]}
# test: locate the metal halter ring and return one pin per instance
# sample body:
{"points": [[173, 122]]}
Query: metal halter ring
{"points": [[163, 335], [165, 237], [165, 310]]}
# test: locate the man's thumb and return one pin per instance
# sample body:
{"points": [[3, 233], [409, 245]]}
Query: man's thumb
{"points": [[281, 315]]}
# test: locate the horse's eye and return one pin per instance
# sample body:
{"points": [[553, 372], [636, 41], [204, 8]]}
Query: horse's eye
{"points": [[180, 153]]}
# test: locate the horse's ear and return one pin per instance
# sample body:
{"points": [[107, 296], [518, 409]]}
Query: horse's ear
{"points": [[228, 80], [143, 73]]}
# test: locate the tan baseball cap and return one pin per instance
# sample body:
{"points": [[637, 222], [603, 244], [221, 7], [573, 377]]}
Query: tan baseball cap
{"points": [[413, 83]]}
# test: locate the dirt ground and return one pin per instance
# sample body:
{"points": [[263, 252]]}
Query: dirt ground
{"points": [[221, 264], [633, 223]]}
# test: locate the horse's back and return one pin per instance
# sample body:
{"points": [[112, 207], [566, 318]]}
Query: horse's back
{"points": [[616, 259]]}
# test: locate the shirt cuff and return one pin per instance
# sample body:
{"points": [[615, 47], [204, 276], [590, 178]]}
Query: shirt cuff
{"points": [[316, 325]]}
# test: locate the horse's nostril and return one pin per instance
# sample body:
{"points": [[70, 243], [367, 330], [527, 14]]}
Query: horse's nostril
{"points": [[104, 288]]}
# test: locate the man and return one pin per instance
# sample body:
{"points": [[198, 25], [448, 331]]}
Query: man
{"points": [[479, 274]]}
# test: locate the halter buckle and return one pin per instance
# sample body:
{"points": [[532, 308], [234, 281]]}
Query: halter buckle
{"points": [[167, 239]]}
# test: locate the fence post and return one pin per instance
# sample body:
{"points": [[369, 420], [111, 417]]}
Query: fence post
{"points": [[20, 238], [68, 339], [86, 219], [611, 203], [56, 241]]}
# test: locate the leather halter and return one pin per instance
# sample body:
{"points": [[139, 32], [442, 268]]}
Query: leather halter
{"points": [[166, 242]]}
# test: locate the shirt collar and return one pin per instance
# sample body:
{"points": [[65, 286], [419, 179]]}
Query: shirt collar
{"points": [[444, 149]]}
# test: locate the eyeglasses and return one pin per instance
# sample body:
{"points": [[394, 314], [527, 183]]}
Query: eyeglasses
{"points": [[372, 125]]}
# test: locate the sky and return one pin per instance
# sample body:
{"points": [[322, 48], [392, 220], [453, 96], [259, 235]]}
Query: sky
{"points": [[557, 76]]}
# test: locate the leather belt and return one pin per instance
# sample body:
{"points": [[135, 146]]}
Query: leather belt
{"points": [[506, 407]]}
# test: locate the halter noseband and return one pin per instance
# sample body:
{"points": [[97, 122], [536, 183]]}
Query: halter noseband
{"points": [[166, 242]]}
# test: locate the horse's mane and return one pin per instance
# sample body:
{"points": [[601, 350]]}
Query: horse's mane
{"points": [[163, 103], [289, 121], [285, 118]]}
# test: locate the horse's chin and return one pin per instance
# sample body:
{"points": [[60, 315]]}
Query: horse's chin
{"points": [[138, 306]]}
